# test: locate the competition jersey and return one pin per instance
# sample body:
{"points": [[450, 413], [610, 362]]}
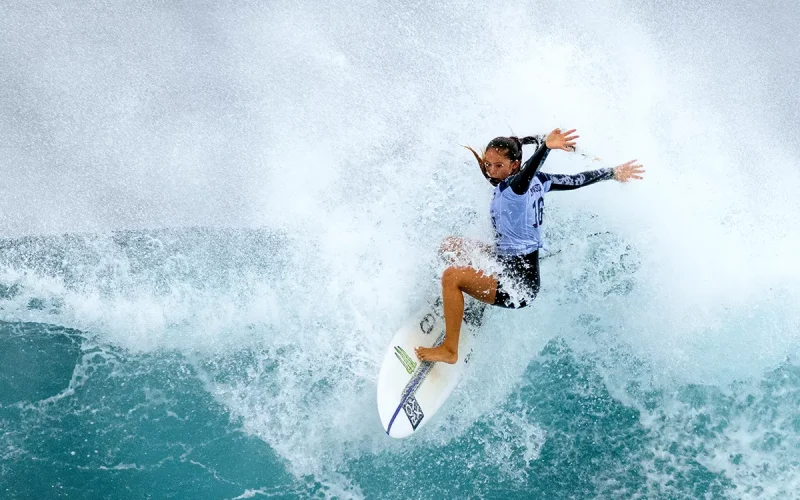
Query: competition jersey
{"points": [[517, 218]]}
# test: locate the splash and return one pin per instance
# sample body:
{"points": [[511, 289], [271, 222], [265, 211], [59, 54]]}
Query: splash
{"points": [[307, 163]]}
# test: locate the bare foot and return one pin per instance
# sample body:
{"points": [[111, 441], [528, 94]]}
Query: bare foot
{"points": [[441, 353]]}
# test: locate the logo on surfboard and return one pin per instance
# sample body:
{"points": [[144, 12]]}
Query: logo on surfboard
{"points": [[413, 411], [409, 364]]}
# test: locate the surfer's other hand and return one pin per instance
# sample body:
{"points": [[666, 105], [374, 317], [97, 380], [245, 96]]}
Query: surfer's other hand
{"points": [[628, 171]]}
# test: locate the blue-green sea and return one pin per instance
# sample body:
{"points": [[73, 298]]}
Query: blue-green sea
{"points": [[90, 413]]}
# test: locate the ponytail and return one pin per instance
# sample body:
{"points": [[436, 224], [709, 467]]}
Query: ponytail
{"points": [[538, 140], [533, 139]]}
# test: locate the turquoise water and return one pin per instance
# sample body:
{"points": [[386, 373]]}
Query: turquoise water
{"points": [[84, 418], [85, 421]]}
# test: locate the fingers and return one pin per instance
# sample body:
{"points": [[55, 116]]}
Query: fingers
{"points": [[568, 135], [562, 140], [630, 168], [627, 172], [569, 138]]}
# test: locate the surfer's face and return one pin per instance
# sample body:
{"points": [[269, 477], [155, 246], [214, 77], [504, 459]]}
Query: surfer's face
{"points": [[498, 165]]}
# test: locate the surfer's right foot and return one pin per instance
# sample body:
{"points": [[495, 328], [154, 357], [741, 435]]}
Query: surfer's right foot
{"points": [[441, 354]]}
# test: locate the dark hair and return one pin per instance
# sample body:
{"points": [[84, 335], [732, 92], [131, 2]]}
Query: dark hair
{"points": [[510, 147]]}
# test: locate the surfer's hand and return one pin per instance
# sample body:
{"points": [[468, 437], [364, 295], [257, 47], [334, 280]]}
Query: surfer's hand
{"points": [[628, 171], [562, 140]]}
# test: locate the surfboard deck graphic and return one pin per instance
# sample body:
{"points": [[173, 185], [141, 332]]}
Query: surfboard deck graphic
{"points": [[411, 391]]}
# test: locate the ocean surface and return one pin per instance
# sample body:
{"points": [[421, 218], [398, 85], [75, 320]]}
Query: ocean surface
{"points": [[213, 217], [236, 406]]}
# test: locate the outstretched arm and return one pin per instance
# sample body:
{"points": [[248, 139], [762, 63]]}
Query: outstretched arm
{"points": [[521, 181], [561, 182]]}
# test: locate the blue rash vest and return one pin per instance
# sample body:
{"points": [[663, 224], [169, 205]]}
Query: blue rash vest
{"points": [[517, 218], [517, 208]]}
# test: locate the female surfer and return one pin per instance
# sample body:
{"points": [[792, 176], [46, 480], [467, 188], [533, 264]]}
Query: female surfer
{"points": [[516, 210]]}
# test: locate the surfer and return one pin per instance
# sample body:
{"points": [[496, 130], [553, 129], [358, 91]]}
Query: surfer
{"points": [[517, 211]]}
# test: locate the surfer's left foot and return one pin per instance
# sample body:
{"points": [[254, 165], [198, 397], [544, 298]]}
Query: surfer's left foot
{"points": [[441, 354]]}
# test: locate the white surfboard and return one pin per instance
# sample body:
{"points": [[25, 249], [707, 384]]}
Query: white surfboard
{"points": [[411, 391]]}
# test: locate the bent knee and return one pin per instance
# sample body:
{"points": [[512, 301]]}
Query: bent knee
{"points": [[456, 276], [451, 276]]}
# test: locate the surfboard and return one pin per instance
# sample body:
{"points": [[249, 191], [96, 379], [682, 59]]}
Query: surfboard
{"points": [[410, 391]]}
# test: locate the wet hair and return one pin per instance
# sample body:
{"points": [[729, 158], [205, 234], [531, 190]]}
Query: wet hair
{"points": [[510, 147]]}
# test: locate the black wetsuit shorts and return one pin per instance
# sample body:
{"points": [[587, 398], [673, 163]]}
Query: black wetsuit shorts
{"points": [[523, 272]]}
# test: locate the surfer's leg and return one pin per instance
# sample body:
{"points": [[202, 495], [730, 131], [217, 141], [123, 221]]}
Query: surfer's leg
{"points": [[455, 282]]}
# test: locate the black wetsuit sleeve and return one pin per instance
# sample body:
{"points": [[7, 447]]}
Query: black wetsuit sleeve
{"points": [[521, 181], [562, 182]]}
